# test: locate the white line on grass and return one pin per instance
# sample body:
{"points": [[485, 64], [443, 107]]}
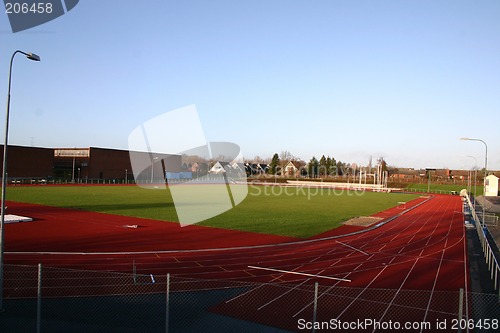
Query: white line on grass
{"points": [[298, 273]]}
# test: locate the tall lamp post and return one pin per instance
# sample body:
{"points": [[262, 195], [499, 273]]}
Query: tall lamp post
{"points": [[34, 57], [428, 170], [152, 167], [475, 175], [485, 171]]}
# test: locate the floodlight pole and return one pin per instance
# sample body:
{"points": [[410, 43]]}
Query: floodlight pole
{"points": [[428, 170], [73, 171], [428, 182], [34, 57], [485, 173]]}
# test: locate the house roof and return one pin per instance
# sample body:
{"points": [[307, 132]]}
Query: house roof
{"points": [[295, 164]]}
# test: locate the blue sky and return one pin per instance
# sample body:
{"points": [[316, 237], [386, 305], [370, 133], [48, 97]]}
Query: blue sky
{"points": [[350, 79]]}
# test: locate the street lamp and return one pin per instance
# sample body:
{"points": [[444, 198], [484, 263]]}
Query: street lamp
{"points": [[152, 167], [428, 170], [485, 171], [475, 175], [73, 170], [34, 57]]}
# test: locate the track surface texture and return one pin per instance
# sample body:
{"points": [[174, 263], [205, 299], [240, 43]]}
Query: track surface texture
{"points": [[409, 268]]}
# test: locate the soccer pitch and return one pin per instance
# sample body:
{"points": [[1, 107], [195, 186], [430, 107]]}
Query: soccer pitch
{"points": [[287, 211]]}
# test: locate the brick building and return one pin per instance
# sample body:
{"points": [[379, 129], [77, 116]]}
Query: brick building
{"points": [[91, 163], [29, 164]]}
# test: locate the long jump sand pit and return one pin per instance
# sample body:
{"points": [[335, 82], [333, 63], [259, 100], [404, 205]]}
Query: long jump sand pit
{"points": [[363, 221]]}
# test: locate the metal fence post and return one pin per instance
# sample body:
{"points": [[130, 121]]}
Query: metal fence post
{"points": [[167, 304], [315, 310], [134, 271], [39, 300], [460, 308]]}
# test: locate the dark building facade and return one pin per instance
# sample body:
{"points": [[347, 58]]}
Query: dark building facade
{"points": [[80, 164], [109, 163], [91, 163], [23, 162]]}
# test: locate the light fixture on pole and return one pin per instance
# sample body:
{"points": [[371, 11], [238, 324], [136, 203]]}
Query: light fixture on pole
{"points": [[485, 172], [34, 57]]}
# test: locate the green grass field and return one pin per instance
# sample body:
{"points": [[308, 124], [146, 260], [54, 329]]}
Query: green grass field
{"points": [[296, 212], [445, 189]]}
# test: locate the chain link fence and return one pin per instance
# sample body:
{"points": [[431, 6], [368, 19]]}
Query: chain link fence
{"points": [[45, 299]]}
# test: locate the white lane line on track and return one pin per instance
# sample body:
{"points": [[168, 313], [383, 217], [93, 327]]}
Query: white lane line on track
{"points": [[400, 287], [414, 263], [435, 282], [280, 296], [366, 288], [355, 269], [352, 247], [259, 287], [411, 239], [298, 273], [466, 276], [325, 292]]}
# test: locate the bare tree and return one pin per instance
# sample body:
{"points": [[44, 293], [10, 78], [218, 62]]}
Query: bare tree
{"points": [[258, 159], [285, 155]]}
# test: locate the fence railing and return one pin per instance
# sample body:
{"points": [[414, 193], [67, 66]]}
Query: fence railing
{"points": [[488, 249], [490, 219], [434, 191], [17, 181], [48, 299]]}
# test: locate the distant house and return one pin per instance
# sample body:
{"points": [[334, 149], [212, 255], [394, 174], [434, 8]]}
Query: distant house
{"points": [[292, 169], [256, 168], [195, 167], [238, 168], [435, 174], [405, 173], [262, 168], [250, 169], [459, 174], [442, 173], [491, 186], [219, 168]]}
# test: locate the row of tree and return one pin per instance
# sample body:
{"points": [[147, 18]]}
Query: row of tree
{"points": [[325, 166]]}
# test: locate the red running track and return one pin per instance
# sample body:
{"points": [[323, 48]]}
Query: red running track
{"points": [[423, 249], [424, 238]]}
